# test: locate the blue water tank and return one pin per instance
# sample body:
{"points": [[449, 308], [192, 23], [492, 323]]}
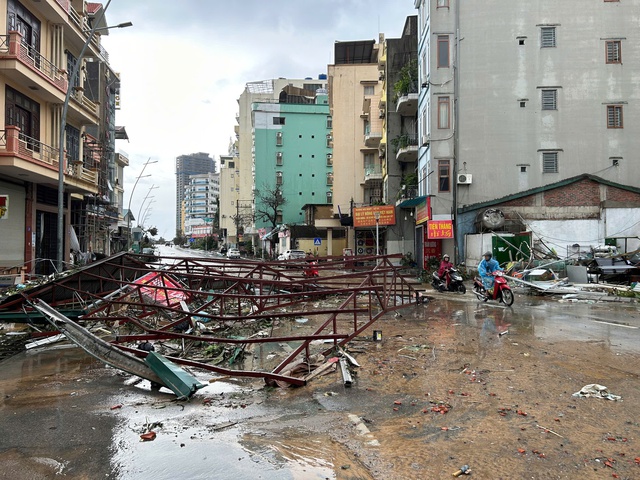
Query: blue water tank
{"points": [[322, 76]]}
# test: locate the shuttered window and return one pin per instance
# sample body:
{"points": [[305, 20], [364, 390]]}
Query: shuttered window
{"points": [[549, 99], [547, 37], [550, 162]]}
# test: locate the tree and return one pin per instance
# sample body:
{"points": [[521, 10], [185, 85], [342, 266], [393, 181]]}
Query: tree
{"points": [[153, 231], [269, 204]]}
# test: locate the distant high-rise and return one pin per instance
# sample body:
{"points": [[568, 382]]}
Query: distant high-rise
{"points": [[194, 164]]}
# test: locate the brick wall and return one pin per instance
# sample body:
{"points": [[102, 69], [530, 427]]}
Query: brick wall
{"points": [[585, 193], [619, 195]]}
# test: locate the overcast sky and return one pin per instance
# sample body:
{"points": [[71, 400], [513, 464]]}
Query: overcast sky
{"points": [[184, 65]]}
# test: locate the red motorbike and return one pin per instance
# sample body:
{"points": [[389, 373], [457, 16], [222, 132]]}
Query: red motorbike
{"points": [[501, 289], [311, 270]]}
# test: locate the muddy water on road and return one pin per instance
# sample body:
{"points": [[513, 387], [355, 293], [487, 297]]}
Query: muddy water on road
{"points": [[442, 389]]}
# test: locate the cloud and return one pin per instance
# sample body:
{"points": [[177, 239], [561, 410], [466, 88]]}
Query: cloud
{"points": [[184, 65]]}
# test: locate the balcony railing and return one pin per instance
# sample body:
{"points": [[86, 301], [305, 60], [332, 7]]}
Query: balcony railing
{"points": [[372, 172], [14, 142], [64, 4], [12, 46]]}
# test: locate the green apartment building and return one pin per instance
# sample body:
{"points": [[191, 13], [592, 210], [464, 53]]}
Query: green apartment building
{"points": [[292, 147]]}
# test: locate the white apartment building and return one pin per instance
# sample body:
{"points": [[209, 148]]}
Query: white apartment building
{"points": [[201, 204], [519, 95]]}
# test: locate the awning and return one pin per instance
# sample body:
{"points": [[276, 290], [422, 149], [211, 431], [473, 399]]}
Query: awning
{"points": [[413, 202]]}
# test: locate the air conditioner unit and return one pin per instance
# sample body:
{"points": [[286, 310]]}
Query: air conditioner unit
{"points": [[464, 179], [426, 139], [381, 115]]}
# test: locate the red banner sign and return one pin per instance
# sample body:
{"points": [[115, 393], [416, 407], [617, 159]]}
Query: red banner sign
{"points": [[439, 229], [366, 216]]}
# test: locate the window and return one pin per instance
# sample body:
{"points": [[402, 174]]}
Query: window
{"points": [[549, 162], [24, 113], [279, 139], [549, 99], [329, 122], [369, 90], [329, 159], [443, 3], [444, 176], [614, 51], [278, 120], [279, 216], [443, 51], [278, 178], [72, 143], [547, 37], [423, 181], [614, 116], [329, 141], [312, 87], [330, 178], [329, 197], [279, 159], [443, 112]]}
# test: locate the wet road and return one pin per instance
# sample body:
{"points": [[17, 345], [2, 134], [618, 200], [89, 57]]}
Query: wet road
{"points": [[56, 415]]}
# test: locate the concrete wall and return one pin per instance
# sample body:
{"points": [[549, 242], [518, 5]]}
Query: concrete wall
{"points": [[12, 226]]}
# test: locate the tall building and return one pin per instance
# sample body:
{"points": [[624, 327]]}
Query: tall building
{"points": [[398, 107], [258, 91], [201, 204], [355, 91], [41, 46], [293, 154], [546, 97], [187, 165]]}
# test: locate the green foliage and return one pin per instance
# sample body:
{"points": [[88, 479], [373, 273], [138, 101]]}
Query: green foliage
{"points": [[408, 81]]}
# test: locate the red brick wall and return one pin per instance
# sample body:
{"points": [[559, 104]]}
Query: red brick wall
{"points": [[582, 194], [619, 195]]}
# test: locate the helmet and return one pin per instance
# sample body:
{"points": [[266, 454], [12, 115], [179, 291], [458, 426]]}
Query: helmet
{"points": [[445, 256], [488, 254]]}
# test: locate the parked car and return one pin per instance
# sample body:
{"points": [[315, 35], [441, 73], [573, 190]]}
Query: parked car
{"points": [[233, 253], [292, 255]]}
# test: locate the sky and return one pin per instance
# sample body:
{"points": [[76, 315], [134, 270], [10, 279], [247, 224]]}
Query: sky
{"points": [[184, 64]]}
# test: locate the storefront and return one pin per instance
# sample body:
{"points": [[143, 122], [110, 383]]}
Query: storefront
{"points": [[370, 225]]}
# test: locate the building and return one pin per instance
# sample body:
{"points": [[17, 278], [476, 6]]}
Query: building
{"points": [[245, 175], [398, 107], [201, 205], [292, 155], [40, 46], [187, 165], [545, 97], [354, 98]]}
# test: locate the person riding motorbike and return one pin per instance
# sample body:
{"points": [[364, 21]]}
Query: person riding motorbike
{"points": [[445, 265], [487, 267]]}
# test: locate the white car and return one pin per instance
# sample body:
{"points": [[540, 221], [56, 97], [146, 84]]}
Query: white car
{"points": [[233, 253], [292, 255]]}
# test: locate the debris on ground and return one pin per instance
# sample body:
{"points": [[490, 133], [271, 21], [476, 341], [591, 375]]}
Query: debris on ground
{"points": [[596, 391]]}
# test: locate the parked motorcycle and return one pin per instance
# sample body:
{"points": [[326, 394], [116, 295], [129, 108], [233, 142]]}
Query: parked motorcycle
{"points": [[454, 281], [501, 289], [311, 270]]}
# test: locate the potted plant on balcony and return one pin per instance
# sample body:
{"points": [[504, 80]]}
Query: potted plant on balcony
{"points": [[407, 81]]}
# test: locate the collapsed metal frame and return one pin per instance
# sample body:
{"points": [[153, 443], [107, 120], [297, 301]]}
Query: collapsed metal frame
{"points": [[162, 299]]}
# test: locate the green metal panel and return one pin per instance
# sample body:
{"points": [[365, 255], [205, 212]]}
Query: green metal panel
{"points": [[509, 249], [182, 383]]}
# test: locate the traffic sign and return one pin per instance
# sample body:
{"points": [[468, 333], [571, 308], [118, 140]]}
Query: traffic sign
{"points": [[317, 241]]}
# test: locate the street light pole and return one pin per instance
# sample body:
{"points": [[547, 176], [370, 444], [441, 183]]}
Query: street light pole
{"points": [[148, 162], [152, 187], [63, 125]]}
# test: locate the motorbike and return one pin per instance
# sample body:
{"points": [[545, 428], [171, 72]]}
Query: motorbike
{"points": [[501, 289], [455, 282], [311, 270]]}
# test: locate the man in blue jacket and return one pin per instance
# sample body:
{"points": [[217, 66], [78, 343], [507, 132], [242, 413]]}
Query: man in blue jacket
{"points": [[487, 266]]}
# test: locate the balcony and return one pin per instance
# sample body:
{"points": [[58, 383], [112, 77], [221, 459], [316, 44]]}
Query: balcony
{"points": [[407, 105], [31, 160], [406, 147], [372, 173], [25, 66], [372, 139]]}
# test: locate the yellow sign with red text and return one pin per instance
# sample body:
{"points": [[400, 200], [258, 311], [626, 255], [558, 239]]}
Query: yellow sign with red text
{"points": [[439, 229], [366, 216]]}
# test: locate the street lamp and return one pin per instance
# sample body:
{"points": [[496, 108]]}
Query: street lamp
{"points": [[148, 162], [63, 125], [377, 217], [152, 187]]}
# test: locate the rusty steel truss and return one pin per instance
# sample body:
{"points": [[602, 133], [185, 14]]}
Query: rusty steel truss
{"points": [[207, 301]]}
